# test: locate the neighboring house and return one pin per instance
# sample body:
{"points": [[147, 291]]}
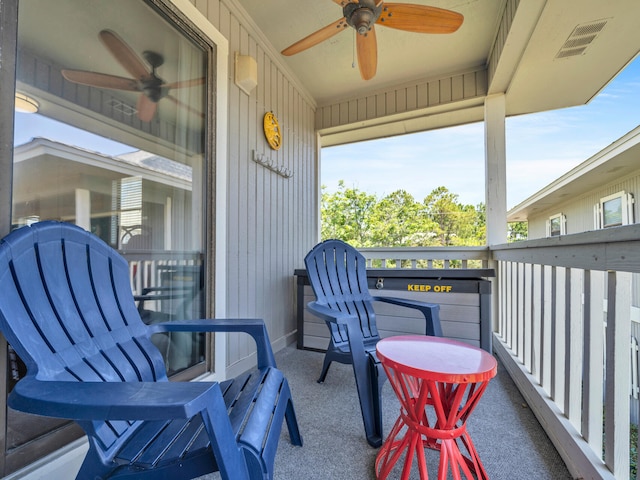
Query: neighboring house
{"points": [[117, 198], [599, 193]]}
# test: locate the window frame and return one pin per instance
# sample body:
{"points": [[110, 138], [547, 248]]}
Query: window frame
{"points": [[187, 19], [561, 217], [626, 210]]}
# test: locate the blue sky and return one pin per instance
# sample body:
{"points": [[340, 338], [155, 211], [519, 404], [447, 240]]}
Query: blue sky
{"points": [[28, 125], [540, 148]]}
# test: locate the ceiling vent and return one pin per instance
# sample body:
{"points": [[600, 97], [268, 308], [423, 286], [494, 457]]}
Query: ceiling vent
{"points": [[121, 107], [581, 37]]}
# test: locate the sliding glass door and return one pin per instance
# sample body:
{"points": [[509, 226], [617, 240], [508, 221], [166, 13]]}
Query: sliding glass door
{"points": [[111, 135]]}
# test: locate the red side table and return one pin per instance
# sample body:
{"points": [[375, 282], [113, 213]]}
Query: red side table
{"points": [[438, 382]]}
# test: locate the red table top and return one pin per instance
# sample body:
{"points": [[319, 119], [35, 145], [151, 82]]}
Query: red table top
{"points": [[438, 359]]}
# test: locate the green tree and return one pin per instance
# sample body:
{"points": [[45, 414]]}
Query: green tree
{"points": [[518, 231], [480, 226], [455, 223], [346, 215], [397, 220]]}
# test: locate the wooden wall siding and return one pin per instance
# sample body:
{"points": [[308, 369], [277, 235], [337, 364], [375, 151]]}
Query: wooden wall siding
{"points": [[506, 21], [268, 235], [409, 98], [579, 210], [46, 77]]}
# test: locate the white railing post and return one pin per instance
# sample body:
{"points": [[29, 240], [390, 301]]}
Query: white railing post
{"points": [[616, 426], [537, 314], [547, 336], [593, 353], [560, 362], [574, 339]]}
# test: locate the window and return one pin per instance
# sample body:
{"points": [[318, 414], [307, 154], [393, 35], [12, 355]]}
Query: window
{"points": [[614, 210], [122, 158], [556, 225]]}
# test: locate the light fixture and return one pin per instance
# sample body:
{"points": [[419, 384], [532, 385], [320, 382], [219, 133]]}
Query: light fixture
{"points": [[246, 77], [26, 104]]}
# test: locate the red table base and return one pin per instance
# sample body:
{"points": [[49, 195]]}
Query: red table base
{"points": [[433, 415]]}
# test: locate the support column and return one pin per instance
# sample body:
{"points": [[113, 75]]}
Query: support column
{"points": [[83, 208], [168, 224], [495, 186], [495, 169]]}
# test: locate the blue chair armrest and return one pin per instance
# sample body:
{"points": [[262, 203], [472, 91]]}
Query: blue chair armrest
{"points": [[431, 312], [252, 326], [114, 400], [330, 315]]}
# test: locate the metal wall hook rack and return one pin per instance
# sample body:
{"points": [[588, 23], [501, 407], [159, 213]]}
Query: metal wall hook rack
{"points": [[269, 164]]}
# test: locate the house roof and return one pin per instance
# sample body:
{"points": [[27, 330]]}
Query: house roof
{"points": [[615, 161], [51, 159]]}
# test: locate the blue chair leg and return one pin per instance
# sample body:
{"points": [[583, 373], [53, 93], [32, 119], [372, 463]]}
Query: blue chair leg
{"points": [[292, 425], [368, 395], [378, 377], [325, 367]]}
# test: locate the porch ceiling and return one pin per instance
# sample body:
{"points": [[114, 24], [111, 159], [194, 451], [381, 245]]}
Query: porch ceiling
{"points": [[516, 42], [529, 35]]}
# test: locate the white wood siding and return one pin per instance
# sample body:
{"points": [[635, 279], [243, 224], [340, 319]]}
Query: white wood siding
{"points": [[409, 98], [506, 21], [579, 210], [266, 235]]}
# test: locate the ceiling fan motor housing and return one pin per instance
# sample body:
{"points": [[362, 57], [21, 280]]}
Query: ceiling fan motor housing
{"points": [[362, 15], [152, 86]]}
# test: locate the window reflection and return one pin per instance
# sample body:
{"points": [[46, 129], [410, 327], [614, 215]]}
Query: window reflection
{"points": [[116, 147]]}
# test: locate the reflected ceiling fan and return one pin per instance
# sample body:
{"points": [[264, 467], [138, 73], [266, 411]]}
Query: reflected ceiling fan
{"points": [[152, 88], [362, 15]]}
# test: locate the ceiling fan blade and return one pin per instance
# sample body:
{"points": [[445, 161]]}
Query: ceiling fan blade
{"points": [[146, 108], [185, 106], [101, 80], [124, 55], [367, 47], [419, 18], [194, 82], [316, 37]]}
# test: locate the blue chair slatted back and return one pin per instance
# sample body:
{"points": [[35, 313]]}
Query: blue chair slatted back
{"points": [[87, 329], [338, 275]]}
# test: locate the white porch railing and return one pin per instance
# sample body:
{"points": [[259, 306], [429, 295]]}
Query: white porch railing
{"points": [[146, 267], [427, 257], [167, 274], [564, 333], [563, 310]]}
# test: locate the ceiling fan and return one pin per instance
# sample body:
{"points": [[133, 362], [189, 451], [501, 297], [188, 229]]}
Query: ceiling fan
{"points": [[152, 88], [362, 15]]}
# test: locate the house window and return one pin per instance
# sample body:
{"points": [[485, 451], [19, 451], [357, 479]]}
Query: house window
{"points": [[556, 225], [117, 146], [614, 210]]}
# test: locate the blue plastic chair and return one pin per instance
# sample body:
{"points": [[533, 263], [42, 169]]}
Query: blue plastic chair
{"points": [[338, 276], [66, 307]]}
